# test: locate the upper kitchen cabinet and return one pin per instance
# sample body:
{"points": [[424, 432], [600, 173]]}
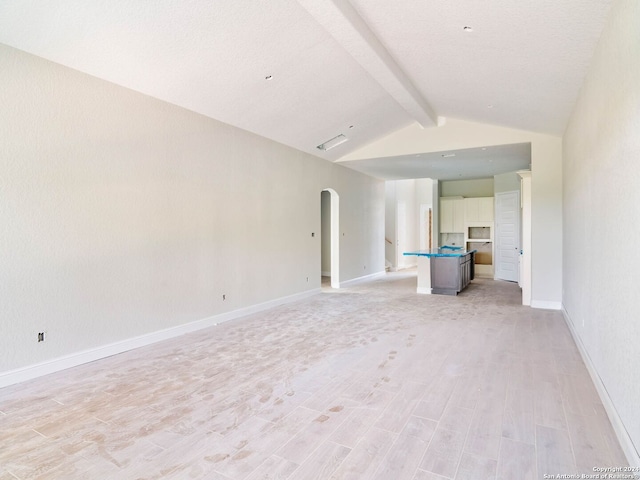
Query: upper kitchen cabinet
{"points": [[478, 210], [452, 215]]}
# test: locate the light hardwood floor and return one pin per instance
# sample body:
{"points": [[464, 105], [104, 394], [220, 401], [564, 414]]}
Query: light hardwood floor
{"points": [[367, 382]]}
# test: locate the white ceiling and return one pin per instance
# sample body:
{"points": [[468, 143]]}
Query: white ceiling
{"points": [[467, 164], [363, 68]]}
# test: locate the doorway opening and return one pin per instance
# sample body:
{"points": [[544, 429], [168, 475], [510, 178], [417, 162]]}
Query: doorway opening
{"points": [[330, 237]]}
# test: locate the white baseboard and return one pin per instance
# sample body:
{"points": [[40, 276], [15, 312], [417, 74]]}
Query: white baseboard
{"points": [[546, 305], [424, 290], [365, 278], [12, 377], [625, 440], [406, 267]]}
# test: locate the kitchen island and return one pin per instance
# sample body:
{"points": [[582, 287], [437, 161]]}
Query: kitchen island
{"points": [[446, 270]]}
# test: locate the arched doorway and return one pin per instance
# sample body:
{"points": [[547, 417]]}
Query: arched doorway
{"points": [[330, 235]]}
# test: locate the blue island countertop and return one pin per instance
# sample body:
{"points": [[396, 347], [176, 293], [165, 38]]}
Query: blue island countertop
{"points": [[446, 251]]}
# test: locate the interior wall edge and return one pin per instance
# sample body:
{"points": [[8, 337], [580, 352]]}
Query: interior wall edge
{"points": [[546, 305], [364, 278], [626, 442]]}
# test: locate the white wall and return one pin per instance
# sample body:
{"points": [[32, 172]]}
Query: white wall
{"points": [[480, 187], [390, 224], [123, 215], [602, 214], [401, 222], [546, 179], [506, 182], [424, 191], [325, 226], [424, 196], [407, 237], [408, 196]]}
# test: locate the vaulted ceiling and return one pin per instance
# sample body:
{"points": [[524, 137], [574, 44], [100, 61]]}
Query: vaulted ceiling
{"points": [[302, 72]]}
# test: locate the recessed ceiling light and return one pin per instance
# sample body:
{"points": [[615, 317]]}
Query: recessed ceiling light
{"points": [[467, 29], [489, 106], [332, 142], [448, 155], [268, 77], [484, 148]]}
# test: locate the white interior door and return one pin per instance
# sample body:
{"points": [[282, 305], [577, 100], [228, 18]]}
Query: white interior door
{"points": [[507, 248]]}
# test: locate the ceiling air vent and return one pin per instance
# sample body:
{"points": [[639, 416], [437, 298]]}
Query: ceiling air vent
{"points": [[334, 142]]}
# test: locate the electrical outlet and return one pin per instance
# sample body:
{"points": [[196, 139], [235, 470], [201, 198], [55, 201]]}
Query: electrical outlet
{"points": [[40, 337]]}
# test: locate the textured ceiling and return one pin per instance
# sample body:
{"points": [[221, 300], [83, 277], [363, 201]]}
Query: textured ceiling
{"points": [[525, 58], [363, 68]]}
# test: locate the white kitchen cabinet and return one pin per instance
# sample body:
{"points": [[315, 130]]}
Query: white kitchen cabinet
{"points": [[479, 226], [452, 215], [478, 210]]}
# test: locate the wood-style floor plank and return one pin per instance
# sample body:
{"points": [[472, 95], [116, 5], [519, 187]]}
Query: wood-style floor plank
{"points": [[322, 463], [589, 444], [424, 475], [456, 418], [273, 468], [395, 416], [606, 430], [476, 468], [444, 452], [549, 410], [421, 428], [554, 454], [307, 440], [402, 459], [486, 428], [437, 397], [518, 421], [516, 460], [366, 457]]}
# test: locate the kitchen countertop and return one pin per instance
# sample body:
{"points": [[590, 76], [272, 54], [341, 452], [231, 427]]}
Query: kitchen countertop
{"points": [[445, 251]]}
